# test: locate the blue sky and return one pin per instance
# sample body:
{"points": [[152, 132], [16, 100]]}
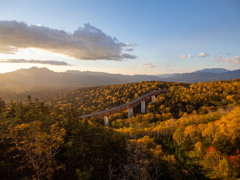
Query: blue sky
{"points": [[206, 34]]}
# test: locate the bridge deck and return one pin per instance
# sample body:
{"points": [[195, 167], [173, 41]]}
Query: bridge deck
{"points": [[125, 105]]}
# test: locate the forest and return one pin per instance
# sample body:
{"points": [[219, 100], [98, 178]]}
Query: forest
{"points": [[190, 132]]}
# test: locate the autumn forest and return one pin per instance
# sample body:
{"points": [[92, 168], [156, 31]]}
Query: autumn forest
{"points": [[190, 132]]}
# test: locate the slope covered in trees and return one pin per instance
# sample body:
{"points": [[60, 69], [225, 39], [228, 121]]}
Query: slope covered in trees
{"points": [[93, 99], [191, 132]]}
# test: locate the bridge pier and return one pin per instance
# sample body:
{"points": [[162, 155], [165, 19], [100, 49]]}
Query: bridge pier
{"points": [[143, 106], [153, 99], [105, 120], [130, 112]]}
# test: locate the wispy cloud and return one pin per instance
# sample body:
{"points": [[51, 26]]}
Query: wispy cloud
{"points": [[86, 43], [234, 60], [47, 62], [217, 52], [129, 49], [184, 57], [202, 54], [148, 65], [168, 60]]}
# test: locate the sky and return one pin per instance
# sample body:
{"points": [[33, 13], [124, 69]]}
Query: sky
{"points": [[120, 37]]}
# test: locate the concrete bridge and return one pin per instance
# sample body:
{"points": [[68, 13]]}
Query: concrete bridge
{"points": [[129, 106]]}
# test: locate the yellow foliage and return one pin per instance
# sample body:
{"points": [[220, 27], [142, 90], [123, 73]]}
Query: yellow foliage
{"points": [[38, 147], [198, 146]]}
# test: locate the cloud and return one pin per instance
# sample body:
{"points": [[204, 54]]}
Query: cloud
{"points": [[47, 62], [168, 60], [129, 49], [86, 43], [218, 52], [213, 59], [202, 54], [234, 60], [128, 56], [148, 65], [219, 56], [229, 53], [184, 57]]}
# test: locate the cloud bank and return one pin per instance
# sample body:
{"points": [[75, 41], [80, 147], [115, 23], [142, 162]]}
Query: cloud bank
{"points": [[47, 62], [184, 57], [234, 60], [87, 43], [202, 54], [148, 65]]}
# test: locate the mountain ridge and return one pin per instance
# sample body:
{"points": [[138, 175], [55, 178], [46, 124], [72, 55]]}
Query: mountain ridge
{"points": [[214, 70], [44, 77]]}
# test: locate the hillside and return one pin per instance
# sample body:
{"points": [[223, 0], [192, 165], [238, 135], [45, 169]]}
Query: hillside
{"points": [[192, 131], [93, 99], [202, 97]]}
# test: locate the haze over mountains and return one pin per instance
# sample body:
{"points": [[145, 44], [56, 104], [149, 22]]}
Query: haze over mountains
{"points": [[27, 78], [214, 70]]}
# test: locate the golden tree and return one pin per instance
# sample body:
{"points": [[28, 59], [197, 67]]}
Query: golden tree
{"points": [[178, 135], [38, 147]]}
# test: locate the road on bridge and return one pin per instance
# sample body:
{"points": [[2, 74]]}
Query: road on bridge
{"points": [[123, 107]]}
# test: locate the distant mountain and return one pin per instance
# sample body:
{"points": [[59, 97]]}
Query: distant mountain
{"points": [[204, 76], [28, 78], [214, 70], [43, 77], [167, 75], [194, 77]]}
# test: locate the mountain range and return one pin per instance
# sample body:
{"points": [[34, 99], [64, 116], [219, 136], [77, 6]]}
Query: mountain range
{"points": [[213, 70], [34, 77]]}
